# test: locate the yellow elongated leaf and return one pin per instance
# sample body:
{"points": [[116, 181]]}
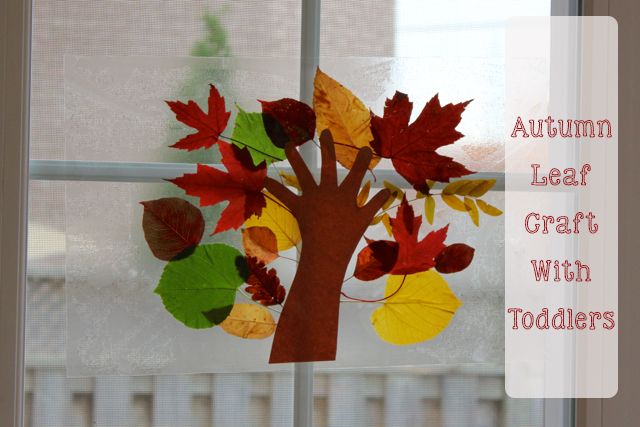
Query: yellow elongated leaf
{"points": [[473, 211], [338, 110], [420, 310], [386, 220], [364, 194], [249, 321], [291, 181], [279, 220], [481, 189], [468, 187], [453, 187], [429, 208], [454, 202], [430, 183], [488, 209], [391, 199], [376, 220], [399, 194]]}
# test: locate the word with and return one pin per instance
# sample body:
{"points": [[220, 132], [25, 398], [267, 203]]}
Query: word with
{"points": [[562, 221], [557, 321], [542, 272], [554, 176], [552, 132]]}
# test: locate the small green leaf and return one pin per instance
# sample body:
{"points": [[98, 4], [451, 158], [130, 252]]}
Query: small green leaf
{"points": [[250, 132], [200, 289]]}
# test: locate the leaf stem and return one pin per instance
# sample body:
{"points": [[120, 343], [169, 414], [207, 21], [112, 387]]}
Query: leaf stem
{"points": [[376, 300], [249, 298], [290, 259]]}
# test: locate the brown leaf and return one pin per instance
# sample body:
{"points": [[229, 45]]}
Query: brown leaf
{"points": [[376, 260], [454, 258], [264, 285], [249, 321], [261, 243]]}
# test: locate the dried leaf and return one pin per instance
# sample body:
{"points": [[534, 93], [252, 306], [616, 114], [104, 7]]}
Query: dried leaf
{"points": [[386, 220], [287, 120], [209, 125], [453, 187], [473, 211], [338, 110], [480, 190], [363, 196], [414, 256], [241, 186], [279, 220], [199, 290], [399, 194], [264, 286], [412, 148], [291, 181], [419, 311], [250, 133], [429, 208], [376, 220], [454, 258], [171, 225], [261, 243], [376, 260], [488, 209], [454, 202], [469, 186], [249, 321]]}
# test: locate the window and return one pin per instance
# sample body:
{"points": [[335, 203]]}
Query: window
{"points": [[430, 406]]}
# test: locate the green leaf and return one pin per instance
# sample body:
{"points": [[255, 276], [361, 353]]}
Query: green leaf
{"points": [[199, 290], [250, 132]]}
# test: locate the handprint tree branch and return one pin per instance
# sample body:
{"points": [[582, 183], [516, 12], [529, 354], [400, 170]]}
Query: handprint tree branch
{"points": [[325, 221]]}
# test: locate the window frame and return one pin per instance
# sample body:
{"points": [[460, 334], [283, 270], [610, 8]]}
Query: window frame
{"points": [[15, 38]]}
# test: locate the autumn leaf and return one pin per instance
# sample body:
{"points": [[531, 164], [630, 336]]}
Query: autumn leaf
{"points": [[454, 258], [429, 208], [249, 321], [241, 185], [452, 188], [386, 221], [488, 209], [338, 110], [251, 133], [482, 188], [260, 242], [414, 256], [363, 195], [418, 308], [287, 120], [473, 211], [291, 181], [376, 259], [454, 202], [279, 220], [199, 290], [210, 126], [264, 286], [171, 225], [412, 147]]}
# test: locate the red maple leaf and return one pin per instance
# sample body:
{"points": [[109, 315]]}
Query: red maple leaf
{"points": [[209, 126], [414, 256], [412, 148], [241, 185], [264, 285]]}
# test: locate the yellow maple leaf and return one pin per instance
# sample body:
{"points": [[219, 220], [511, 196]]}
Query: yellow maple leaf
{"points": [[420, 310], [338, 110], [279, 220], [249, 321]]}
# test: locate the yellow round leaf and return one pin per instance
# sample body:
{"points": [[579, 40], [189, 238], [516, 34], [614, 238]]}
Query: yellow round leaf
{"points": [[420, 310], [249, 321], [279, 220]]}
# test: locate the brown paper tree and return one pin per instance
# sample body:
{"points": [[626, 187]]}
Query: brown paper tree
{"points": [[200, 283]]}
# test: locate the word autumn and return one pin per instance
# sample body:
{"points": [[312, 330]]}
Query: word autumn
{"points": [[552, 131], [558, 320]]}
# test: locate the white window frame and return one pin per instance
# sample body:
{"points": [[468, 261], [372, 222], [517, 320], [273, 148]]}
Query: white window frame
{"points": [[15, 39]]}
